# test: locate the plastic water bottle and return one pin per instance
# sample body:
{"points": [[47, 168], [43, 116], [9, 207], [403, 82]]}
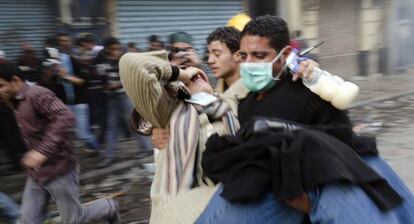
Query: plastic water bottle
{"points": [[331, 88]]}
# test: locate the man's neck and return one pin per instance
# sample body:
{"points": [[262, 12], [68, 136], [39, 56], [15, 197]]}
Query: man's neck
{"points": [[232, 78], [20, 86]]}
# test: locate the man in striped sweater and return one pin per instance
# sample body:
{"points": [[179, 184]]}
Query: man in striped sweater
{"points": [[53, 172]]}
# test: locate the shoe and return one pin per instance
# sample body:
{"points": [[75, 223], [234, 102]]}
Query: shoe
{"points": [[115, 218], [105, 163]]}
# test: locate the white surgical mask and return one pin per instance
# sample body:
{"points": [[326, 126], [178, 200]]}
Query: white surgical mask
{"points": [[258, 76]]}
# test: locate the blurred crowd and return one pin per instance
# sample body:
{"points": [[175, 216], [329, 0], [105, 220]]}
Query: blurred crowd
{"points": [[85, 76]]}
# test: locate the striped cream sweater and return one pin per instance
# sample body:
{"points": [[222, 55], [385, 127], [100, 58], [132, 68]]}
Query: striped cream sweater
{"points": [[143, 76]]}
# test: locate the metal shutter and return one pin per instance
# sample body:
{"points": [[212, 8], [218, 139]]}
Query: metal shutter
{"points": [[139, 19], [23, 21], [339, 28]]}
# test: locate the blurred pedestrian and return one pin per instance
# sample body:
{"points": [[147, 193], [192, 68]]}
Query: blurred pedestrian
{"points": [[95, 97], [91, 45], [117, 105], [182, 52], [131, 47], [29, 64], [155, 44], [45, 123], [9, 210], [74, 82]]}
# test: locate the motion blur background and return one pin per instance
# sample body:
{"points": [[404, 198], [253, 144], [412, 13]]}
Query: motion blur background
{"points": [[362, 37]]}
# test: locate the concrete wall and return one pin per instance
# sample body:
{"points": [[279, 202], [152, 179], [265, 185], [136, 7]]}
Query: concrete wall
{"points": [[304, 15], [309, 22], [371, 32]]}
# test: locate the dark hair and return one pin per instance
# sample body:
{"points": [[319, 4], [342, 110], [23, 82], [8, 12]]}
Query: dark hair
{"points": [[51, 41], [80, 41], [131, 44], [271, 27], [111, 41], [8, 70], [90, 39], [62, 34], [153, 38], [227, 35]]}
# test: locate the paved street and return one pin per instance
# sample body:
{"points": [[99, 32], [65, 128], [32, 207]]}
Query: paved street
{"points": [[386, 105], [384, 108], [392, 122]]}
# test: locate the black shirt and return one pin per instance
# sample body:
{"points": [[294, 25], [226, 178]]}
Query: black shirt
{"points": [[291, 101]]}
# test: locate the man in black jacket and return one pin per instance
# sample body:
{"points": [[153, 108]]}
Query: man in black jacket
{"points": [[264, 47]]}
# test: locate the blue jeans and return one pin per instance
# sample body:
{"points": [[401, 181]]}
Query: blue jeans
{"points": [[332, 204], [64, 190], [9, 210], [119, 110], [267, 210], [82, 127]]}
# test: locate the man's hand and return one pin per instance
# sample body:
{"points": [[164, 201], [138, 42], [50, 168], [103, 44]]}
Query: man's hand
{"points": [[192, 58], [160, 137], [179, 60], [301, 203], [305, 69], [33, 159], [61, 72], [184, 59], [187, 74]]}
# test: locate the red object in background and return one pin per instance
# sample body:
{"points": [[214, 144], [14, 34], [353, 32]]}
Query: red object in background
{"points": [[295, 44]]}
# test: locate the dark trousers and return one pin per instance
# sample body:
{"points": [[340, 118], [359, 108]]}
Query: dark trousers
{"points": [[97, 101], [10, 136], [65, 192]]}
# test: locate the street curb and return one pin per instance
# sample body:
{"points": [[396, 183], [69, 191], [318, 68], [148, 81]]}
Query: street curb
{"points": [[364, 102]]}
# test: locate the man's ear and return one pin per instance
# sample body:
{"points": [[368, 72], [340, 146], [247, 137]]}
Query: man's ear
{"points": [[287, 51], [236, 57], [16, 80]]}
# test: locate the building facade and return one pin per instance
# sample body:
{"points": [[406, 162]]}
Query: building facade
{"points": [[361, 37], [32, 21]]}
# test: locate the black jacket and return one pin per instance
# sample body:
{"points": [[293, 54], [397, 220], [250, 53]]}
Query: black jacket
{"points": [[289, 163], [55, 84], [293, 102]]}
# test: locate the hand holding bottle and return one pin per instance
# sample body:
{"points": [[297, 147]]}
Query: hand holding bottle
{"points": [[330, 88], [305, 69]]}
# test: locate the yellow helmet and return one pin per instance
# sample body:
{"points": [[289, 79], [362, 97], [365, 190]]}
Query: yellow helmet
{"points": [[239, 21]]}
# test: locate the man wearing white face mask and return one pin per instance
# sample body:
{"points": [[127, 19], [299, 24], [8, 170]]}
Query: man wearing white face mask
{"points": [[264, 50], [258, 76]]}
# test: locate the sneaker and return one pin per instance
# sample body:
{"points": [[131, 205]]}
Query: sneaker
{"points": [[115, 218]]}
